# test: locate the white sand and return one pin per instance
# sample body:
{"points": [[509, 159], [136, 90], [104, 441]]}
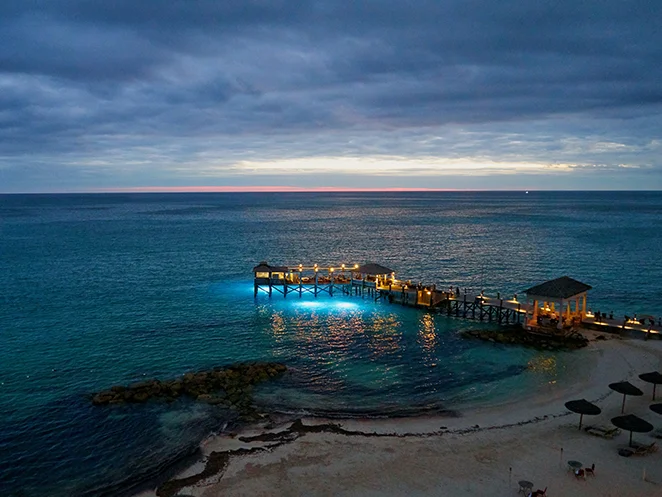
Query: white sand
{"points": [[461, 463]]}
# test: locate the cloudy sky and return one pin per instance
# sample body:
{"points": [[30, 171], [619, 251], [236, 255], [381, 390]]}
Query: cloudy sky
{"points": [[246, 94]]}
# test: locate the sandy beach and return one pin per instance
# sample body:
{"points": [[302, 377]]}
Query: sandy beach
{"points": [[483, 452]]}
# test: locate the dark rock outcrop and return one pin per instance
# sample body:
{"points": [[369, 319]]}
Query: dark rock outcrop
{"points": [[541, 341], [231, 386]]}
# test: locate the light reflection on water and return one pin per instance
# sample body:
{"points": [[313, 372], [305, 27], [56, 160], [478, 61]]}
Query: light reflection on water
{"points": [[543, 363], [349, 354]]}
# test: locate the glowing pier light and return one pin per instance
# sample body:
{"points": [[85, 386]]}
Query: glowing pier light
{"points": [[310, 304], [325, 305]]}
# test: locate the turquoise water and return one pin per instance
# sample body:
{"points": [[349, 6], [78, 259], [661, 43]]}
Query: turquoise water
{"points": [[97, 290]]}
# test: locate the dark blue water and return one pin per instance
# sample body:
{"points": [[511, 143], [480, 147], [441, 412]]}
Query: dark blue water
{"points": [[97, 290]]}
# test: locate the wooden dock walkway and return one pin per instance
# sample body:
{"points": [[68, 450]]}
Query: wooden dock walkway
{"points": [[352, 281], [379, 283]]}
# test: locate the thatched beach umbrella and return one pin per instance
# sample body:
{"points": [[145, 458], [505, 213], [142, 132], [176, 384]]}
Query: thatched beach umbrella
{"points": [[626, 388], [654, 377], [656, 408], [631, 423], [582, 407]]}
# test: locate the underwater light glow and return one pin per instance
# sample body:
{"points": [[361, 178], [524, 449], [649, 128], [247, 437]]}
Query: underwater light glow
{"points": [[346, 305], [330, 306], [310, 304]]}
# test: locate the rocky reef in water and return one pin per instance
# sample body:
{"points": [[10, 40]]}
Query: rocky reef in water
{"points": [[540, 341], [231, 386]]}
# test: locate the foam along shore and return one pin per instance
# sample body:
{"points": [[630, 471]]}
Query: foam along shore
{"points": [[484, 452]]}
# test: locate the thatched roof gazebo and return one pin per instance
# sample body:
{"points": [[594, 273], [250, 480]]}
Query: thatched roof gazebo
{"points": [[372, 269], [564, 291]]}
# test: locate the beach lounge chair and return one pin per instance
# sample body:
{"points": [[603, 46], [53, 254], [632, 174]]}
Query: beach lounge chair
{"points": [[642, 450], [602, 431], [637, 450], [539, 493], [590, 471]]}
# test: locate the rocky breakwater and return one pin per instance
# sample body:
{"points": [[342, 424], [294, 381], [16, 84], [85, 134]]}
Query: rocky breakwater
{"points": [[231, 386], [540, 341]]}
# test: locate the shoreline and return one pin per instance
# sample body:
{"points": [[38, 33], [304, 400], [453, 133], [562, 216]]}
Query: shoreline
{"points": [[285, 457]]}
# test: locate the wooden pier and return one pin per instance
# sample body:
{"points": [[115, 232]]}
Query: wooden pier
{"points": [[379, 283], [556, 304]]}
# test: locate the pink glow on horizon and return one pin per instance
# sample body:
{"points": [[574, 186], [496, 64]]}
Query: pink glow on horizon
{"points": [[260, 189]]}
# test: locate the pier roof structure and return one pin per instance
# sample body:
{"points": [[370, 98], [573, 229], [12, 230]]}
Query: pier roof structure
{"points": [[564, 291], [560, 288], [264, 267], [373, 269]]}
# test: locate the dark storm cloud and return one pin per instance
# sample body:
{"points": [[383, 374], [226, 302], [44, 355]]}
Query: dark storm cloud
{"points": [[82, 79]]}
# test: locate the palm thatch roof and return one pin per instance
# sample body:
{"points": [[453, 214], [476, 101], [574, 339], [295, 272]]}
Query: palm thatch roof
{"points": [[583, 406], [630, 422], [373, 269], [626, 388], [264, 267], [560, 288], [652, 377]]}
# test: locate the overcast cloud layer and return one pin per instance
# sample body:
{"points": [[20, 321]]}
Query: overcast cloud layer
{"points": [[435, 94]]}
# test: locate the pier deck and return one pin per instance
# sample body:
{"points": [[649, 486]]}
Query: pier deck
{"points": [[379, 283]]}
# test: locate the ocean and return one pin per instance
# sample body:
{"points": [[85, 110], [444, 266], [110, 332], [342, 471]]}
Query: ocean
{"points": [[105, 289]]}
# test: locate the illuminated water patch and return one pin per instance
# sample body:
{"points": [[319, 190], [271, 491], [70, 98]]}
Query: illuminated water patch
{"points": [[354, 354]]}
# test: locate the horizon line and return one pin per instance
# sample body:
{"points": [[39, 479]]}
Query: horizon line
{"points": [[292, 189]]}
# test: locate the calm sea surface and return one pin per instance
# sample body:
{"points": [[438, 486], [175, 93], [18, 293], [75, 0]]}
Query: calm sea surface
{"points": [[97, 290]]}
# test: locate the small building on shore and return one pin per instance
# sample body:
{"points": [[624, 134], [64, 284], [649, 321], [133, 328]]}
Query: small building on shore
{"points": [[560, 303]]}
